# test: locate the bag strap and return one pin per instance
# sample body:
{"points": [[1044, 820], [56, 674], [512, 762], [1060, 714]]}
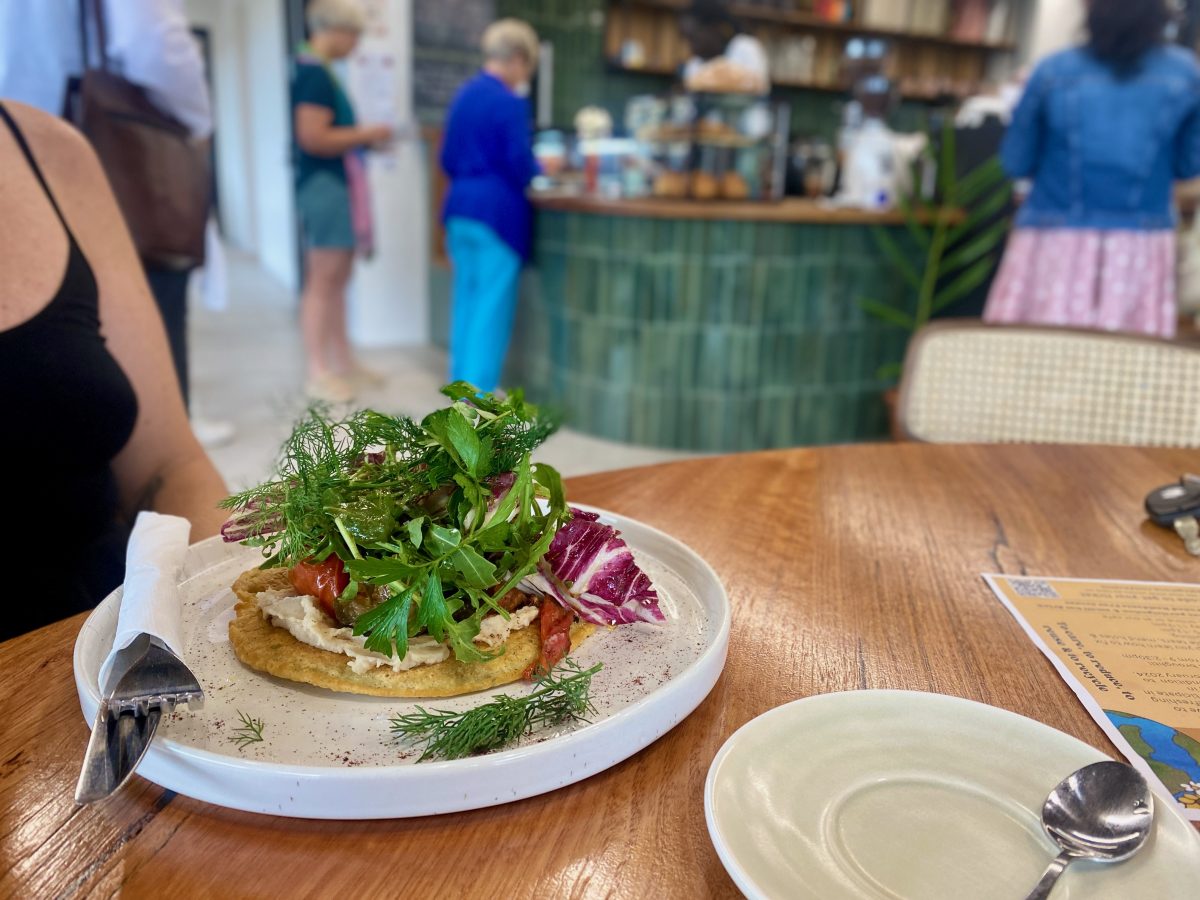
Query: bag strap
{"points": [[92, 11]]}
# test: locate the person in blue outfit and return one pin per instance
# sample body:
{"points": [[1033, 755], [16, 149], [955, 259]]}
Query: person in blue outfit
{"points": [[331, 196], [488, 156]]}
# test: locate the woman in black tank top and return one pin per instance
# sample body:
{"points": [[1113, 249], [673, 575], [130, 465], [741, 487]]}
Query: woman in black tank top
{"points": [[94, 428]]}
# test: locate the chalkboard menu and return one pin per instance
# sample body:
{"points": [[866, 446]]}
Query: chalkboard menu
{"points": [[446, 35]]}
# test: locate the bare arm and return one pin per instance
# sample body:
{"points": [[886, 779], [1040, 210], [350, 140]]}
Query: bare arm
{"points": [[162, 467], [318, 136]]}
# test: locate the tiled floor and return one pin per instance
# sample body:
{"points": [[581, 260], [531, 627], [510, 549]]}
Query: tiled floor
{"points": [[247, 368]]}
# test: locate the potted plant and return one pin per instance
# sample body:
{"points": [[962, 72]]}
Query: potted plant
{"points": [[956, 245]]}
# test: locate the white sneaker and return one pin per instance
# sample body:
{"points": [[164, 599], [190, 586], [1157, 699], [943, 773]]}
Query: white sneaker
{"points": [[212, 432]]}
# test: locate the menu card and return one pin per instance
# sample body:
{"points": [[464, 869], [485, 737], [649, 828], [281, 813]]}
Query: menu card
{"points": [[1131, 652]]}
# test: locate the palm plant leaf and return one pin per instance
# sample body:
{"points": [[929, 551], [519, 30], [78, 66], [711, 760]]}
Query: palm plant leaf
{"points": [[889, 371], [887, 313], [947, 176], [956, 258], [981, 213], [983, 243], [964, 283], [912, 222], [980, 180], [893, 252]]}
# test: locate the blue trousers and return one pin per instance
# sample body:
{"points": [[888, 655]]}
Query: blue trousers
{"points": [[486, 274]]}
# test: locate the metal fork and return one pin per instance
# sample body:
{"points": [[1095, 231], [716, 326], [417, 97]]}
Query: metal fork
{"points": [[154, 681]]}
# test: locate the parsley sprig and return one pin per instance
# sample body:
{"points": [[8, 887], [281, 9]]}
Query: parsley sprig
{"points": [[442, 517], [443, 734]]}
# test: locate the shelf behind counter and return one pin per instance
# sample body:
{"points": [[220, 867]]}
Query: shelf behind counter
{"points": [[710, 326]]}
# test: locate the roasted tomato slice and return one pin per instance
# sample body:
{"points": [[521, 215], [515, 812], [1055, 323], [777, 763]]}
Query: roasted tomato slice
{"points": [[554, 625], [324, 580]]}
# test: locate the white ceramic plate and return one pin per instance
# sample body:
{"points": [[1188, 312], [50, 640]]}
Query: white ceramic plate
{"points": [[330, 755], [913, 796]]}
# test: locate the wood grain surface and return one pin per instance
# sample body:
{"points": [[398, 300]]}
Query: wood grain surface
{"points": [[847, 567]]}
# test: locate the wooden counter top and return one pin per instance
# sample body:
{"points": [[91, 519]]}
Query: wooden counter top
{"points": [[792, 210]]}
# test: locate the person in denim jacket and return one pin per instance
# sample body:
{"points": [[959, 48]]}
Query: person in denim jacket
{"points": [[1103, 131]]}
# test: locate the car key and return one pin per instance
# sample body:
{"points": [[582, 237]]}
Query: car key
{"points": [[1177, 506]]}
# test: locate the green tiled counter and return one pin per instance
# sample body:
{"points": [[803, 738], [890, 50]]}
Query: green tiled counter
{"points": [[701, 333]]}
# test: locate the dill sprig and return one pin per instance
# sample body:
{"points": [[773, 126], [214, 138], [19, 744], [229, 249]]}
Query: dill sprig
{"points": [[372, 460], [439, 517], [453, 735], [250, 731]]}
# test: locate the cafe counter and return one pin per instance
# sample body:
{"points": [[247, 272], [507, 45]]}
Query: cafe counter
{"points": [[717, 326]]}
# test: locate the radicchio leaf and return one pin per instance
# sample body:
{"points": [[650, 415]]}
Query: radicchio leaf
{"points": [[251, 522], [590, 569]]}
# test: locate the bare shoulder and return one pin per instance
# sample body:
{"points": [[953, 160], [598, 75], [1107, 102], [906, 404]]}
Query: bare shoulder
{"points": [[62, 152]]}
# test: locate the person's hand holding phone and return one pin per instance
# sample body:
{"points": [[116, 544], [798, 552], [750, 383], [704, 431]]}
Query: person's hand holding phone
{"points": [[378, 137]]}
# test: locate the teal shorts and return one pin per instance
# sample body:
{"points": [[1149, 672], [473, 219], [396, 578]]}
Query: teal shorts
{"points": [[323, 207]]}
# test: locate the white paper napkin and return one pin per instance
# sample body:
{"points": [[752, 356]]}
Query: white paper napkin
{"points": [[150, 603]]}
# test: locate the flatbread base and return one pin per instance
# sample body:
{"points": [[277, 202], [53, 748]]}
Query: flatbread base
{"points": [[273, 650]]}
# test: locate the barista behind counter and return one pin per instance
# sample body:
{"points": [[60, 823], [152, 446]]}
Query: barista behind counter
{"points": [[727, 60]]}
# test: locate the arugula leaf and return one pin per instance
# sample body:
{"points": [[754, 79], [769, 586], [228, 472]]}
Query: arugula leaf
{"points": [[527, 563], [371, 570], [387, 624], [525, 495], [450, 428], [508, 503], [443, 539], [476, 498], [548, 478], [476, 571], [413, 527], [464, 440], [494, 538]]}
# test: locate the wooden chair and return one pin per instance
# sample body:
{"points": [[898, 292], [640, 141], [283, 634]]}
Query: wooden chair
{"points": [[966, 382]]}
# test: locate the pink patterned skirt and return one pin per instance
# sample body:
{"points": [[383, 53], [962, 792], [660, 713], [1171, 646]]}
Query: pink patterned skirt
{"points": [[1083, 278]]}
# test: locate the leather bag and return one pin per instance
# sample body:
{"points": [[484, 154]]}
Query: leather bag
{"points": [[161, 176]]}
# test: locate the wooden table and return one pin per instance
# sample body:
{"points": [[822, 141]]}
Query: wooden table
{"points": [[847, 567]]}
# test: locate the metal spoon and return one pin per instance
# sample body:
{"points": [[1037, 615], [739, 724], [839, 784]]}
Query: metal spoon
{"points": [[1102, 812]]}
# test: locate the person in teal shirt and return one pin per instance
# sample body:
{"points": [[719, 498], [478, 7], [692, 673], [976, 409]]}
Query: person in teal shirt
{"points": [[331, 201]]}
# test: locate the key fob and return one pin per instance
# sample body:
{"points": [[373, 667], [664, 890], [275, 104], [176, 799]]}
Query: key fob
{"points": [[1172, 501]]}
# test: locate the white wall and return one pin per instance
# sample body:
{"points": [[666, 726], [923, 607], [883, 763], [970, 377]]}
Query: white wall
{"points": [[390, 297], [1056, 25], [269, 108], [222, 19], [250, 88]]}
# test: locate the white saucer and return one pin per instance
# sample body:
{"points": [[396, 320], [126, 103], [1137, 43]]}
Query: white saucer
{"points": [[913, 796]]}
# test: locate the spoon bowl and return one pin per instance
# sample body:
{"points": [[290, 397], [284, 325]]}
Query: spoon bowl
{"points": [[1102, 812]]}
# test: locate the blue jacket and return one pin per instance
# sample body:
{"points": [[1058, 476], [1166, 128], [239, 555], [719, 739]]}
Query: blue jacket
{"points": [[487, 153], [1103, 151]]}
